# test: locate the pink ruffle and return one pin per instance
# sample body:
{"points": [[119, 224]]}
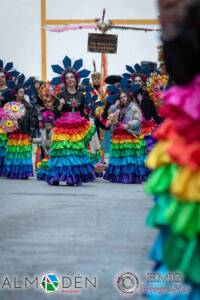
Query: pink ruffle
{"points": [[187, 98]]}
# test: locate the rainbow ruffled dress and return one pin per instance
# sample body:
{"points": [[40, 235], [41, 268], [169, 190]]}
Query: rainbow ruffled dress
{"points": [[175, 184], [127, 156], [69, 160], [3, 141], [18, 158]]}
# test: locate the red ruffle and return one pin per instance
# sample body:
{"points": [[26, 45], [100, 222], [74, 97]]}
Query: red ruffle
{"points": [[148, 127], [71, 129], [18, 136], [184, 154]]}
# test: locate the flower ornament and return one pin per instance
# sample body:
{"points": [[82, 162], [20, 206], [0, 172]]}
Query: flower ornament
{"points": [[48, 117], [74, 102], [8, 125], [14, 110], [155, 86]]}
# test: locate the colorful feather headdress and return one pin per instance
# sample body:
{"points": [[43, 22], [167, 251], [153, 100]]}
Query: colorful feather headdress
{"points": [[75, 68], [8, 70]]}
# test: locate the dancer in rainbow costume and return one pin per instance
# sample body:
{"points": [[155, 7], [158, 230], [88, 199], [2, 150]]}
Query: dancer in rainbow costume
{"points": [[18, 158], [150, 118], [69, 160], [3, 141], [175, 160], [128, 149]]}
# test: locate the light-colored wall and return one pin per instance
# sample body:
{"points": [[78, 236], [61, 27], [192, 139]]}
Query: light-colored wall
{"points": [[21, 36]]}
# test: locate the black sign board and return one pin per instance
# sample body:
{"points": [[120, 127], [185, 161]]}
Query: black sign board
{"points": [[102, 43]]}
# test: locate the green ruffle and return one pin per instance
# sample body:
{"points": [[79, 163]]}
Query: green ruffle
{"points": [[44, 165], [19, 155], [95, 157], [125, 153], [122, 146], [161, 179], [184, 256], [90, 134], [21, 149], [67, 145], [68, 152], [3, 138], [182, 217]]}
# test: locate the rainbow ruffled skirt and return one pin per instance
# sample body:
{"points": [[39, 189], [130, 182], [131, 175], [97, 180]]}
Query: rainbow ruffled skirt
{"points": [[175, 184], [127, 156], [69, 160], [18, 158], [3, 141]]}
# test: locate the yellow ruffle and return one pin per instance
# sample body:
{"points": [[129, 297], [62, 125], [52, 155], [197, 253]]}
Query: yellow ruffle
{"points": [[24, 142], [68, 137], [135, 141], [186, 185], [159, 156]]}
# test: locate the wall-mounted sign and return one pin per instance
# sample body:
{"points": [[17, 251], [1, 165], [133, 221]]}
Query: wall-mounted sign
{"points": [[102, 43]]}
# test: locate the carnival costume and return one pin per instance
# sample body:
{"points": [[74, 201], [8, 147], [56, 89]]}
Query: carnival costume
{"points": [[175, 161], [18, 158], [128, 149], [69, 160]]}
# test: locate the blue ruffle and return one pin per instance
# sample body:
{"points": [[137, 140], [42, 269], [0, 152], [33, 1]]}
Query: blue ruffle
{"points": [[18, 162], [129, 170], [127, 160], [18, 171], [71, 170], [68, 161], [2, 151], [71, 174], [41, 174]]}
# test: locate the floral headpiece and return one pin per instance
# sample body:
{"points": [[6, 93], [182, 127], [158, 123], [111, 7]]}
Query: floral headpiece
{"points": [[75, 68]]}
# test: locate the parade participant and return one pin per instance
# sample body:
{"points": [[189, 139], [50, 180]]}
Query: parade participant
{"points": [[44, 143], [175, 162], [158, 82], [18, 158], [48, 98], [6, 73], [69, 161], [3, 142], [128, 149], [34, 91], [48, 101], [150, 118]]}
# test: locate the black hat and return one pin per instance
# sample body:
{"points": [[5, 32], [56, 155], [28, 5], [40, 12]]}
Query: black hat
{"points": [[112, 79]]}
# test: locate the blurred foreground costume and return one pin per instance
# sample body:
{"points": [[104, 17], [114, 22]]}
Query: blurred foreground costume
{"points": [[175, 160]]}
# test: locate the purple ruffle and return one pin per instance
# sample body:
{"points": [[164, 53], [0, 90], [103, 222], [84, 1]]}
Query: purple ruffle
{"points": [[72, 179], [132, 178], [150, 142]]}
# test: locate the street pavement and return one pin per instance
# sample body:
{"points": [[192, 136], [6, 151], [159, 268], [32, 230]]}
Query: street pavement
{"points": [[96, 230]]}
